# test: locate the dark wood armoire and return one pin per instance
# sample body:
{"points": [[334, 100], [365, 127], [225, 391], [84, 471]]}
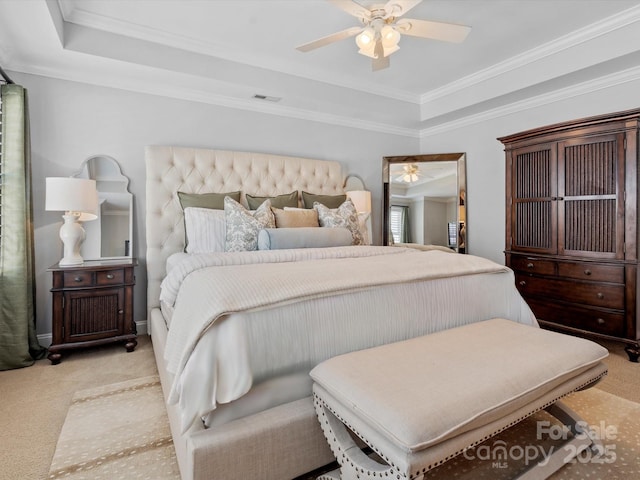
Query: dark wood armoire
{"points": [[572, 225]]}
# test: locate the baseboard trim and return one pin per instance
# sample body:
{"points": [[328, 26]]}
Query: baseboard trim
{"points": [[45, 339]]}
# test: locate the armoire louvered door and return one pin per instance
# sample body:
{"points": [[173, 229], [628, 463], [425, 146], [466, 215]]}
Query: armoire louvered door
{"points": [[572, 226], [591, 197], [533, 209]]}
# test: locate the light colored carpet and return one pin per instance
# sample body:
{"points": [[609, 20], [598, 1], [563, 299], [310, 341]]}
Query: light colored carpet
{"points": [[121, 431], [116, 431], [35, 400]]}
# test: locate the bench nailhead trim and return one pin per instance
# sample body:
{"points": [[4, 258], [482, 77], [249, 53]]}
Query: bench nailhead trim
{"points": [[399, 475]]}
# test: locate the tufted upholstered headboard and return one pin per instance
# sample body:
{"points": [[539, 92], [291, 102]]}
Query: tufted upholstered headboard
{"points": [[193, 170]]}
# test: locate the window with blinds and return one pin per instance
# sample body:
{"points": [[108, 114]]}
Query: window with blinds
{"points": [[397, 223]]}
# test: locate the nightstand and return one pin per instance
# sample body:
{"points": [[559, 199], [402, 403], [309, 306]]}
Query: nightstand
{"points": [[92, 305]]}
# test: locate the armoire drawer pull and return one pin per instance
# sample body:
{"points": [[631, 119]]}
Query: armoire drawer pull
{"points": [[522, 283], [600, 321], [111, 277], [529, 265], [587, 272], [120, 312], [78, 279], [600, 295]]}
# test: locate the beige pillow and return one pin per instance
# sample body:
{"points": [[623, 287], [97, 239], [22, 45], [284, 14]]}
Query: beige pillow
{"points": [[295, 217]]}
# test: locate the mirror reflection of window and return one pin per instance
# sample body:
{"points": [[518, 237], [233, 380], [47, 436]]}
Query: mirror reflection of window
{"points": [[400, 227]]}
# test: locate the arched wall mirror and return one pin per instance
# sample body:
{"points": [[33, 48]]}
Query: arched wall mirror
{"points": [[110, 236], [425, 200]]}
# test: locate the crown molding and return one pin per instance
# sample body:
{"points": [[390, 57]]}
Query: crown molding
{"points": [[200, 96], [607, 81], [570, 40]]}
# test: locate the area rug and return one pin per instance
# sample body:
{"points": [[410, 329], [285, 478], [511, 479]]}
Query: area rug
{"points": [[116, 431], [615, 420], [122, 431]]}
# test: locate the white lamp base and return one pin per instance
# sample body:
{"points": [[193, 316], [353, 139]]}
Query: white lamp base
{"points": [[72, 235]]}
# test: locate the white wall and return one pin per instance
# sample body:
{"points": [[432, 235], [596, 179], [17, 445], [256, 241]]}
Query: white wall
{"points": [[486, 161], [73, 121]]}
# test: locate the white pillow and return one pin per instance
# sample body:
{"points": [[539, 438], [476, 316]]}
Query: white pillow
{"points": [[242, 225], [205, 230], [343, 216]]}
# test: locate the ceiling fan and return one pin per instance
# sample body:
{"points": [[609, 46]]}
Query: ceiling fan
{"points": [[382, 28], [410, 173]]}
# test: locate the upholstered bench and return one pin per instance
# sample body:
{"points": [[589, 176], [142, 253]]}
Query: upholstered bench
{"points": [[420, 402]]}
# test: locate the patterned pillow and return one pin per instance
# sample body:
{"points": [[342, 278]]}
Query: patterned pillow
{"points": [[243, 225], [343, 216]]}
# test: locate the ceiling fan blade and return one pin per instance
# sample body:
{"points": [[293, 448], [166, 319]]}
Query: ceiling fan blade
{"points": [[353, 8], [396, 8], [380, 62], [334, 37], [447, 32]]}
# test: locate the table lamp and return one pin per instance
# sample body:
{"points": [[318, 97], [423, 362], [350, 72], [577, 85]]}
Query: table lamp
{"points": [[78, 198], [362, 201]]}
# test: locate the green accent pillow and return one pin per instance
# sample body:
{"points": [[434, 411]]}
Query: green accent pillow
{"points": [[280, 201], [206, 200], [329, 201]]}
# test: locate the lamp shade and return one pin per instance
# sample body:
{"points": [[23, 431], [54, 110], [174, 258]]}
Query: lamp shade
{"points": [[69, 194], [361, 200]]}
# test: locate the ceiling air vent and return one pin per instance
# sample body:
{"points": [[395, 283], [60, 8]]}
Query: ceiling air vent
{"points": [[267, 98]]}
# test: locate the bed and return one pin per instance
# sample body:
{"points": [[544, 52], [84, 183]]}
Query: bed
{"points": [[235, 333]]}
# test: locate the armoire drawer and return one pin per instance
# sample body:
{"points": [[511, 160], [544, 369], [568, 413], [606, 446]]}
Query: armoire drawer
{"points": [[533, 265], [591, 272], [589, 319], [586, 293]]}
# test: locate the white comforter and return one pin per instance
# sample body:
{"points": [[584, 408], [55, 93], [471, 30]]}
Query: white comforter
{"points": [[237, 322]]}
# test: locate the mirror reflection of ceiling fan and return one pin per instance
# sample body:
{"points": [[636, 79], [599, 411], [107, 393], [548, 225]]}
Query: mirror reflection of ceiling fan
{"points": [[411, 173], [382, 29]]}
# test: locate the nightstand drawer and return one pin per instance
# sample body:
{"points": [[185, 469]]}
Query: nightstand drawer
{"points": [[110, 277], [78, 278]]}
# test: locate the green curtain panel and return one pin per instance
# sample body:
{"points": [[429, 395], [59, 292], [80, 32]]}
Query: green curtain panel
{"points": [[18, 342]]}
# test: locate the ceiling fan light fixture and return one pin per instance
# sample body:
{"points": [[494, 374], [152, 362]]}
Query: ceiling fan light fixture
{"points": [[410, 177], [390, 36], [366, 39]]}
